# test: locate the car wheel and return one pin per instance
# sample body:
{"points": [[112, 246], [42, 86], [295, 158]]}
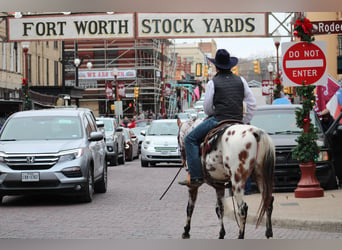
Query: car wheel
{"points": [[114, 161], [87, 196], [122, 159], [1, 198], [101, 186], [144, 164], [130, 157]]}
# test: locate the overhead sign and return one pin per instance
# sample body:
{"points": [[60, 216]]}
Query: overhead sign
{"points": [[107, 74], [327, 27], [190, 25], [140, 25], [304, 62], [62, 27]]}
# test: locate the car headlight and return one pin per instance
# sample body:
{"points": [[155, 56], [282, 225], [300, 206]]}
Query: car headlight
{"points": [[323, 156], [146, 144], [2, 157], [70, 155]]}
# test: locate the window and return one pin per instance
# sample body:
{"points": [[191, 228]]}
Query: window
{"points": [[38, 70], [55, 73], [47, 71], [29, 68]]}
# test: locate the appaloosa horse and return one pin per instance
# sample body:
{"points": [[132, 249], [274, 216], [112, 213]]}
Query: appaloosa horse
{"points": [[240, 151]]}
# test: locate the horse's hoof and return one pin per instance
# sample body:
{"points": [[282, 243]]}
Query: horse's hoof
{"points": [[185, 236]]}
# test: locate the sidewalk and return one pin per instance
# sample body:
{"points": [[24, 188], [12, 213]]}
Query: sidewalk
{"points": [[321, 214]]}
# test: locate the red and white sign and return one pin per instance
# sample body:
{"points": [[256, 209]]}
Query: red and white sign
{"points": [[304, 62], [266, 87], [109, 91]]}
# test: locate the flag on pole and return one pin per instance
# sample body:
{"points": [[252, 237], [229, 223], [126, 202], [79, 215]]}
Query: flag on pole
{"points": [[324, 93], [335, 104]]}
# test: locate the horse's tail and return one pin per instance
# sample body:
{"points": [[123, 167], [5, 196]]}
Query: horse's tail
{"points": [[266, 159]]}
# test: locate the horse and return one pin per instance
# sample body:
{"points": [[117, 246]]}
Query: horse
{"points": [[240, 151]]}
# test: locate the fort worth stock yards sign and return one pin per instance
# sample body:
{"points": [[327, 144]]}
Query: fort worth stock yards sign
{"points": [[137, 25]]}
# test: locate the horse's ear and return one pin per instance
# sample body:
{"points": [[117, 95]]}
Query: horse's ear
{"points": [[179, 123]]}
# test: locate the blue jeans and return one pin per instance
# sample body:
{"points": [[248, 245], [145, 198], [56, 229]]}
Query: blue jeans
{"points": [[192, 144]]}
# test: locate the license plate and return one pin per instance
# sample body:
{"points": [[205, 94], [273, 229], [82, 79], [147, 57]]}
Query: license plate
{"points": [[29, 177], [165, 152]]}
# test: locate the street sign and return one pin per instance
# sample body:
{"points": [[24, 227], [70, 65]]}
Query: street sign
{"points": [[304, 62], [327, 27]]}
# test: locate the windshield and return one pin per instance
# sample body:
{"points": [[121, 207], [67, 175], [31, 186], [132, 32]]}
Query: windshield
{"points": [[42, 128], [183, 115], [279, 121], [163, 128], [108, 124]]}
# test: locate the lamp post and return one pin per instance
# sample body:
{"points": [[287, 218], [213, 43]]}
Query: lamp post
{"points": [[162, 99], [270, 70], [115, 73], [25, 46], [276, 40]]}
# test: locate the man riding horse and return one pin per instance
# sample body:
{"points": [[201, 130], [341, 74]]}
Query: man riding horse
{"points": [[224, 97]]}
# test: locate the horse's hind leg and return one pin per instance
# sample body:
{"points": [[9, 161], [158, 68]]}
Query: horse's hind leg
{"points": [[193, 191], [242, 210], [269, 231], [220, 191]]}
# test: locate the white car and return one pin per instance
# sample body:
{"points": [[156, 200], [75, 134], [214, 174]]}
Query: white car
{"points": [[161, 143]]}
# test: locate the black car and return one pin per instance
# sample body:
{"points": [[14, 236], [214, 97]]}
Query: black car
{"points": [[280, 123]]}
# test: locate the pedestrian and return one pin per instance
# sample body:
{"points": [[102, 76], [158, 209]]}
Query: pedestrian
{"points": [[224, 97], [326, 119], [132, 123], [125, 122]]}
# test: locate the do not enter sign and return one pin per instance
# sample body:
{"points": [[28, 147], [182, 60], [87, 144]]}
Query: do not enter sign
{"points": [[304, 62]]}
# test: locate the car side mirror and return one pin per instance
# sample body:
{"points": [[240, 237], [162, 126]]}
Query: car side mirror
{"points": [[100, 124], [143, 132]]}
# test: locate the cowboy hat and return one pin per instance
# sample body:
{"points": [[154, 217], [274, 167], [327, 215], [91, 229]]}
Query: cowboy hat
{"points": [[223, 60]]}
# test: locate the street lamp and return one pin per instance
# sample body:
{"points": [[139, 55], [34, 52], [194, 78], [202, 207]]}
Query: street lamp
{"points": [[25, 46], [115, 73], [77, 63], [270, 70], [162, 99], [276, 40]]}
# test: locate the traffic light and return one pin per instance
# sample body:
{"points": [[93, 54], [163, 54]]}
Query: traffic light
{"points": [[136, 92], [205, 72], [198, 69], [235, 70], [256, 67]]}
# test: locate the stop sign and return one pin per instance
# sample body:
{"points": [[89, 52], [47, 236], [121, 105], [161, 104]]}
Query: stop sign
{"points": [[304, 62]]}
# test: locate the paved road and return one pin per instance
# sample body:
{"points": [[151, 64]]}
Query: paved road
{"points": [[130, 209]]}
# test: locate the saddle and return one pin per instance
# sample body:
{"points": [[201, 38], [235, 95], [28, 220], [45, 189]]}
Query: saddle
{"points": [[210, 143]]}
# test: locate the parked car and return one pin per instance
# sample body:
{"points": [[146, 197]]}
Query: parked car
{"points": [[131, 144], [198, 106], [115, 142], [52, 151], [143, 122], [161, 143], [183, 116], [137, 131], [280, 122]]}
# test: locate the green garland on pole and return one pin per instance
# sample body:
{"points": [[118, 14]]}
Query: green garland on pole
{"points": [[26, 93], [307, 149]]}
